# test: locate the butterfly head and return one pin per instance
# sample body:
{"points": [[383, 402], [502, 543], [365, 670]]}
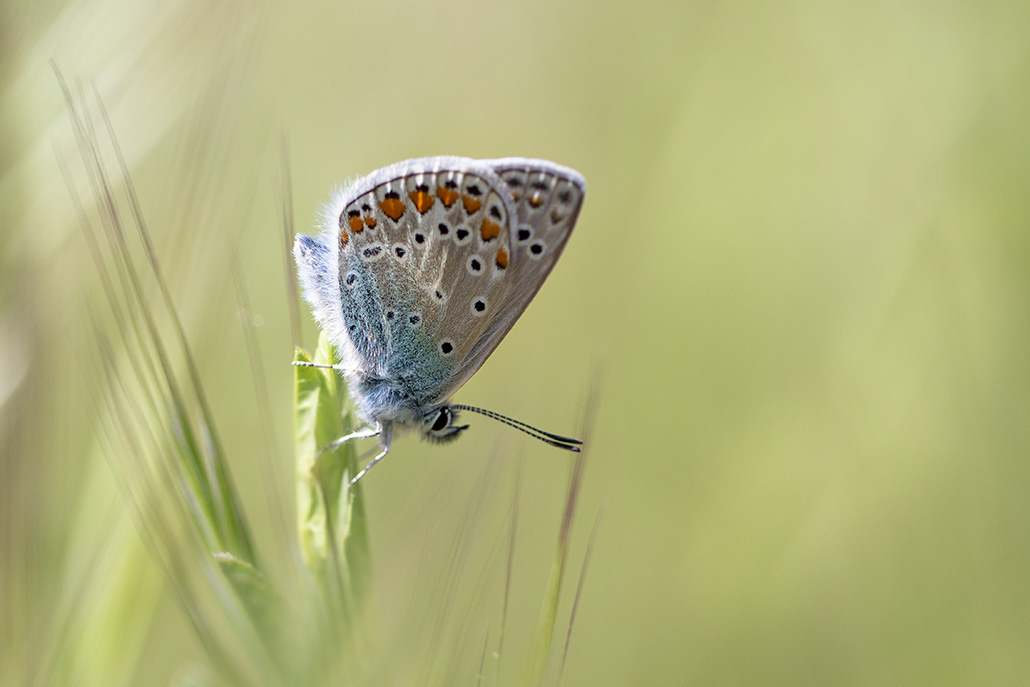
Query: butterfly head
{"points": [[438, 425]]}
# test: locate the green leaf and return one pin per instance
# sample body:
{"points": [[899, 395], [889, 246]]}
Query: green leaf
{"points": [[333, 528]]}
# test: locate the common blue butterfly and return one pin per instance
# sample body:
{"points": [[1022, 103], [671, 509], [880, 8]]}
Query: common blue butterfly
{"points": [[421, 269]]}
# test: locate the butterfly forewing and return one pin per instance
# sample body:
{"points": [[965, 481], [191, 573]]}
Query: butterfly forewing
{"points": [[546, 199]]}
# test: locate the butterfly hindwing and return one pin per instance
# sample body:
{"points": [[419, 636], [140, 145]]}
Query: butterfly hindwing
{"points": [[416, 241]]}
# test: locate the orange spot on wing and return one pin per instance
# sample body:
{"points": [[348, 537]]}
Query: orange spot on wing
{"points": [[502, 258], [370, 221], [355, 224], [393, 207], [489, 230], [536, 199], [422, 200], [344, 237], [447, 195], [471, 204]]}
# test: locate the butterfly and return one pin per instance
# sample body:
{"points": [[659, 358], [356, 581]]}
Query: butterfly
{"points": [[421, 269]]}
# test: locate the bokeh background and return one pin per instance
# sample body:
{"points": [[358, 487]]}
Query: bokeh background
{"points": [[801, 270]]}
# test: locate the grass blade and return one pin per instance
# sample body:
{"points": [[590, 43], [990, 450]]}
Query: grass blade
{"points": [[333, 528]]}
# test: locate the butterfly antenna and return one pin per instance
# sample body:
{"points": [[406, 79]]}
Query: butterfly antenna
{"points": [[567, 443]]}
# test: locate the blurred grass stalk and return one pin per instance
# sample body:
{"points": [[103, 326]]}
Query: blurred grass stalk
{"points": [[160, 435], [309, 624]]}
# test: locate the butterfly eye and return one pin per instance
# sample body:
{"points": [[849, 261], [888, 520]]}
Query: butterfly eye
{"points": [[440, 427], [442, 420]]}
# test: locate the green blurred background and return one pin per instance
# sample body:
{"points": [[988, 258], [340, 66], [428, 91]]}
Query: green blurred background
{"points": [[802, 266]]}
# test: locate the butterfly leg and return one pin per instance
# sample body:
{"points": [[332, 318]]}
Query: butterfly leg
{"points": [[368, 467], [365, 433], [338, 368], [385, 439]]}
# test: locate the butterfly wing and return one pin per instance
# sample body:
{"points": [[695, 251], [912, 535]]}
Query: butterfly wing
{"points": [[320, 281], [547, 199], [400, 234], [436, 259]]}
